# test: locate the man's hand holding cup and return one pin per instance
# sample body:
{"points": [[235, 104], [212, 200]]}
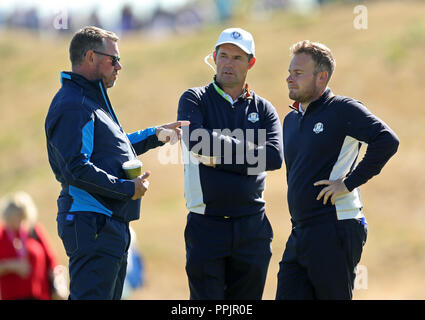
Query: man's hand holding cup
{"points": [[141, 185], [133, 171]]}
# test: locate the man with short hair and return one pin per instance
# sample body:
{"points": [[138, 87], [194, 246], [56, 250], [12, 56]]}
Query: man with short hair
{"points": [[322, 136], [86, 147], [233, 138]]}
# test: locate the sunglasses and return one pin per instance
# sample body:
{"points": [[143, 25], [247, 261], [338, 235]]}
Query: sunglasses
{"points": [[115, 59]]}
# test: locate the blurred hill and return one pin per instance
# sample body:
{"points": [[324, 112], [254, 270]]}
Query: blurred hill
{"points": [[381, 66]]}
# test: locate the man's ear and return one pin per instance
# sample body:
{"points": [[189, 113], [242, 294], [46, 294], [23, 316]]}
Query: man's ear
{"points": [[251, 62], [89, 57], [323, 77], [214, 56]]}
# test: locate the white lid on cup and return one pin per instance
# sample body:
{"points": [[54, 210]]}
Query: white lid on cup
{"points": [[132, 164]]}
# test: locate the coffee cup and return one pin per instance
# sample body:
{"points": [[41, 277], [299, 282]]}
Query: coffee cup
{"points": [[132, 168]]}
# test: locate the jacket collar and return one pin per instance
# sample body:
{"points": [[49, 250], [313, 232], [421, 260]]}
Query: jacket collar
{"points": [[93, 87], [246, 93], [82, 81]]}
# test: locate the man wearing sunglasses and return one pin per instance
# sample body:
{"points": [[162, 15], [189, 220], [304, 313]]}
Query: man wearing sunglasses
{"points": [[86, 147], [115, 61]]}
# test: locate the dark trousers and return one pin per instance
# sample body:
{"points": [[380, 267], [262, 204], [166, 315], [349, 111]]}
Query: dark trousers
{"points": [[227, 258], [320, 258], [97, 249]]}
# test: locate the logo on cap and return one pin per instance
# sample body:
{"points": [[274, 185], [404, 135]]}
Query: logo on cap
{"points": [[236, 35]]}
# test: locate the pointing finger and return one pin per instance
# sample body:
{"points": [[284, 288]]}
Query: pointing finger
{"points": [[177, 124]]}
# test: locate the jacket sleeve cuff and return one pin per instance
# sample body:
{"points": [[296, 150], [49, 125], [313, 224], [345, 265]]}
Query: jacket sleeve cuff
{"points": [[128, 187], [350, 184]]}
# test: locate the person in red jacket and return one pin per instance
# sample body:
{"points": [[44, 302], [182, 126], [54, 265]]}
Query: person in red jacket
{"points": [[27, 261]]}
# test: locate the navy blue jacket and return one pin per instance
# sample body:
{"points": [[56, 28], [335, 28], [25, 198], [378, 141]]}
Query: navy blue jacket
{"points": [[87, 146], [323, 144], [235, 186]]}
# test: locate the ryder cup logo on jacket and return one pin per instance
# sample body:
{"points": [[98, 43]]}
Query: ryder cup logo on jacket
{"points": [[253, 117], [318, 127]]}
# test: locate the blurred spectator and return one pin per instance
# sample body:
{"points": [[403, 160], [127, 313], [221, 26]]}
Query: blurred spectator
{"points": [[27, 262], [26, 18], [31, 20], [94, 20], [162, 23], [188, 18], [158, 19], [225, 9], [128, 20], [262, 9]]}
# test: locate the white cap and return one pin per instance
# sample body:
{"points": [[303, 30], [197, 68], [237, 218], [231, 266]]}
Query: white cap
{"points": [[239, 37]]}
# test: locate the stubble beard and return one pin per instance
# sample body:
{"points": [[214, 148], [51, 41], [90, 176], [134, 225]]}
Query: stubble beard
{"points": [[304, 97], [108, 82]]}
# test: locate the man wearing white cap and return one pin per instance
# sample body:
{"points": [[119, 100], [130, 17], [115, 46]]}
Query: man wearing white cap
{"points": [[234, 137]]}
